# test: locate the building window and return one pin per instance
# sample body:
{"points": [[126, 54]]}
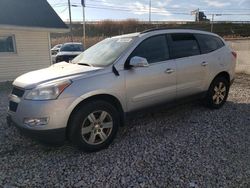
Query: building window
{"points": [[7, 44]]}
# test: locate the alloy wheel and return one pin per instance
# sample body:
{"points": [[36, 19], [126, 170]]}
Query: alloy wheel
{"points": [[219, 93], [97, 127]]}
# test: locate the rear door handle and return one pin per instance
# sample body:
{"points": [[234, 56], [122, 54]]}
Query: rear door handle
{"points": [[204, 63], [169, 71]]}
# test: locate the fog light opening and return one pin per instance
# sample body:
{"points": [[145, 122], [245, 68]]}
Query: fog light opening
{"points": [[36, 121]]}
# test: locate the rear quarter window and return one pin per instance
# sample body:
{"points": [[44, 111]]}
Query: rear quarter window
{"points": [[209, 43]]}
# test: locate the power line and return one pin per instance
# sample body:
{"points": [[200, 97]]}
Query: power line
{"points": [[142, 11], [168, 10], [63, 10], [145, 11], [105, 4], [60, 5], [127, 9], [138, 10]]}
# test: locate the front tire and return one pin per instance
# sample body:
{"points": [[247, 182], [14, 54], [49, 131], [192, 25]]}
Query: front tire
{"points": [[217, 93], [94, 125]]}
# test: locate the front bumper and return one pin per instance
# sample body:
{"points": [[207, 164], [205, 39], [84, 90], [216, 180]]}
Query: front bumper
{"points": [[51, 136], [56, 112]]}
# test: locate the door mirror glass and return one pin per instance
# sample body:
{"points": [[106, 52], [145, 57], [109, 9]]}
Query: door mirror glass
{"points": [[137, 61]]}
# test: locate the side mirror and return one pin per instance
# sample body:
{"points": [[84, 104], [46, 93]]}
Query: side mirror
{"points": [[138, 62]]}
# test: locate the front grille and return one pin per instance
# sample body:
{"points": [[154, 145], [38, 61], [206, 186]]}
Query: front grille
{"points": [[17, 91], [66, 58], [13, 106]]}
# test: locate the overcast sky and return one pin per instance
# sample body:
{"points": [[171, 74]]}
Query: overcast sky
{"points": [[162, 10]]}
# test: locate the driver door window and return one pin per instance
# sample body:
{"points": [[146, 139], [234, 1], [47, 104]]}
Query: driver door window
{"points": [[154, 49]]}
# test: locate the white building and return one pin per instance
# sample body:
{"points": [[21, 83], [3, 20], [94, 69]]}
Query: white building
{"points": [[25, 27]]}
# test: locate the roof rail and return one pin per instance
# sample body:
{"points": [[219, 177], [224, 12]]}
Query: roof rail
{"points": [[164, 28]]}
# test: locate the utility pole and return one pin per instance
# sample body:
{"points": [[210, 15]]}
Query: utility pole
{"points": [[84, 25], [212, 22], [70, 21], [149, 19], [196, 13]]}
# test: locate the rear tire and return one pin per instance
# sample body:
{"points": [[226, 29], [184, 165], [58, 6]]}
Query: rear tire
{"points": [[217, 93], [94, 125]]}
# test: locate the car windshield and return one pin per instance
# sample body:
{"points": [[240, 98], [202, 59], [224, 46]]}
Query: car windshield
{"points": [[71, 48], [105, 52]]}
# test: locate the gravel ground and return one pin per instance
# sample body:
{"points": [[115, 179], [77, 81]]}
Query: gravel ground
{"points": [[185, 146]]}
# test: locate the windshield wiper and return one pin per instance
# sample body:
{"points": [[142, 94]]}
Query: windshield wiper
{"points": [[86, 64]]}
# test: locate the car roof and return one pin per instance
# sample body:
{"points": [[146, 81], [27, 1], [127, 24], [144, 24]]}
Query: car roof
{"points": [[156, 31], [173, 30]]}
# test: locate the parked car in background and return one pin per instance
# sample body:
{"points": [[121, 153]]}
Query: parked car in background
{"points": [[69, 51], [54, 51], [88, 99]]}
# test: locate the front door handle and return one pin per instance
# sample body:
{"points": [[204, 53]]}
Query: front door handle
{"points": [[169, 71], [204, 63]]}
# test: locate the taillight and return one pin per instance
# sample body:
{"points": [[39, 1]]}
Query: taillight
{"points": [[234, 54]]}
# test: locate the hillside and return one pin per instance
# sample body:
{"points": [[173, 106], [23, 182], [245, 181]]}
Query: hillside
{"points": [[96, 31]]}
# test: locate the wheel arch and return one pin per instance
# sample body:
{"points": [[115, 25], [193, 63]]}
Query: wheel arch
{"points": [[105, 97], [208, 97], [223, 74]]}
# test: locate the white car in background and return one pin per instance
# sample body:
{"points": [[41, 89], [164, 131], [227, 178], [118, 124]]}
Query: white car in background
{"points": [[54, 51], [68, 51]]}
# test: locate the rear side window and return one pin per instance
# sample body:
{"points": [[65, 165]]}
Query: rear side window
{"points": [[183, 45], [209, 43], [154, 49]]}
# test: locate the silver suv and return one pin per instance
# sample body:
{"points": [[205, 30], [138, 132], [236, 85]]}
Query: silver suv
{"points": [[87, 100]]}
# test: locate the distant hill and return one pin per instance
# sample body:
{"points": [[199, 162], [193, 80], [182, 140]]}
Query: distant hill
{"points": [[108, 28], [111, 28]]}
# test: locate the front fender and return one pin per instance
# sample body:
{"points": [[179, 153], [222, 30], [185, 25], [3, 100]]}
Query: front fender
{"points": [[92, 94]]}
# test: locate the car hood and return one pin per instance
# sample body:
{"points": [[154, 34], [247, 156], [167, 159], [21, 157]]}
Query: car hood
{"points": [[56, 71], [68, 53]]}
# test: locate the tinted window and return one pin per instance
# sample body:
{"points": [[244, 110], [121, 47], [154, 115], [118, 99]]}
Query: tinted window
{"points": [[183, 45], [209, 43], [154, 49], [7, 44], [71, 48]]}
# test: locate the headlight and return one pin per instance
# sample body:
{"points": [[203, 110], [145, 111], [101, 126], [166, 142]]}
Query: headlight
{"points": [[48, 91]]}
